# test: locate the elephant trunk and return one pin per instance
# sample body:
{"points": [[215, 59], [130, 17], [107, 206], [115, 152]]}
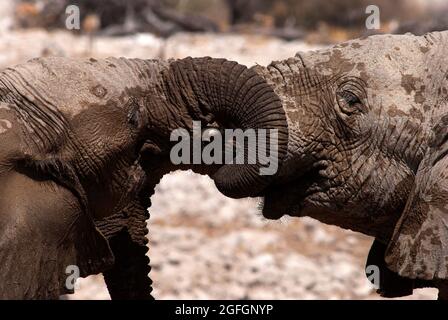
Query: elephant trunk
{"points": [[235, 97]]}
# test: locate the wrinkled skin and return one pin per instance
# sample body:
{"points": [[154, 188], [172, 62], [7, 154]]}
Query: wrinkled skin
{"points": [[366, 151], [70, 133], [83, 143], [366, 131], [361, 145], [367, 143]]}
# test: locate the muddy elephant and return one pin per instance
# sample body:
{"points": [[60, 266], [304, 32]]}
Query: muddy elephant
{"points": [[366, 127], [367, 149], [361, 133], [83, 143], [365, 124]]}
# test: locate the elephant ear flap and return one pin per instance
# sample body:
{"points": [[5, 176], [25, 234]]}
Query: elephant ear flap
{"points": [[419, 245], [47, 239], [89, 248]]}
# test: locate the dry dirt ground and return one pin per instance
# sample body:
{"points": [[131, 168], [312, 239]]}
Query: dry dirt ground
{"points": [[202, 244]]}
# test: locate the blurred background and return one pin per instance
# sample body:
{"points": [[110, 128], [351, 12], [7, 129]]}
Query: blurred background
{"points": [[202, 244]]}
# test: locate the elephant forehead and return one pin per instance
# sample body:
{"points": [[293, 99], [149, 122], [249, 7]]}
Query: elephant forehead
{"points": [[72, 86], [394, 68]]}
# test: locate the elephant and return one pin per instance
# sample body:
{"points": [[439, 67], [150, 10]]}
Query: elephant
{"points": [[83, 144], [367, 122], [70, 196], [362, 144]]}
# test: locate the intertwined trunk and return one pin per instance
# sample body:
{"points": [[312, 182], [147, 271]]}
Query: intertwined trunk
{"points": [[217, 90]]}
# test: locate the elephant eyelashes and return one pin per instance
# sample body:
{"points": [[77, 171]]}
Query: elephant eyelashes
{"points": [[134, 116], [349, 102]]}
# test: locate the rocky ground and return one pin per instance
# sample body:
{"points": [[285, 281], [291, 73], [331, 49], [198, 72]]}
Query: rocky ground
{"points": [[202, 244], [206, 246]]}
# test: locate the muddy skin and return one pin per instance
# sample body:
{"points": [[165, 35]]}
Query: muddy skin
{"points": [[366, 151], [83, 144], [361, 145], [365, 145]]}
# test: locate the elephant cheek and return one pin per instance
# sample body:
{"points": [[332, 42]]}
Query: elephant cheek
{"points": [[44, 239]]}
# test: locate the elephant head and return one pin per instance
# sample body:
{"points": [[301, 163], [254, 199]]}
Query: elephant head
{"points": [[367, 145], [69, 141], [366, 142], [76, 136]]}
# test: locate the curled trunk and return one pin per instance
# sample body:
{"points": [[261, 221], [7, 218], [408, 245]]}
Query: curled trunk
{"points": [[235, 97]]}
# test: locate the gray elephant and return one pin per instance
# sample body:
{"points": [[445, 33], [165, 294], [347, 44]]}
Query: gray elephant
{"points": [[367, 146], [361, 131], [365, 132], [76, 137], [69, 142]]}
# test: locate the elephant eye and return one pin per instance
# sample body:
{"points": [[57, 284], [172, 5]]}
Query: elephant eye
{"points": [[134, 116], [349, 102]]}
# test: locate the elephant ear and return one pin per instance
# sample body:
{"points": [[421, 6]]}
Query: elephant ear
{"points": [[419, 245], [47, 239]]}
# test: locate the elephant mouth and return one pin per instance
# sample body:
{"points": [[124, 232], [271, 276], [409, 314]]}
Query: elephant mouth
{"points": [[290, 198]]}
